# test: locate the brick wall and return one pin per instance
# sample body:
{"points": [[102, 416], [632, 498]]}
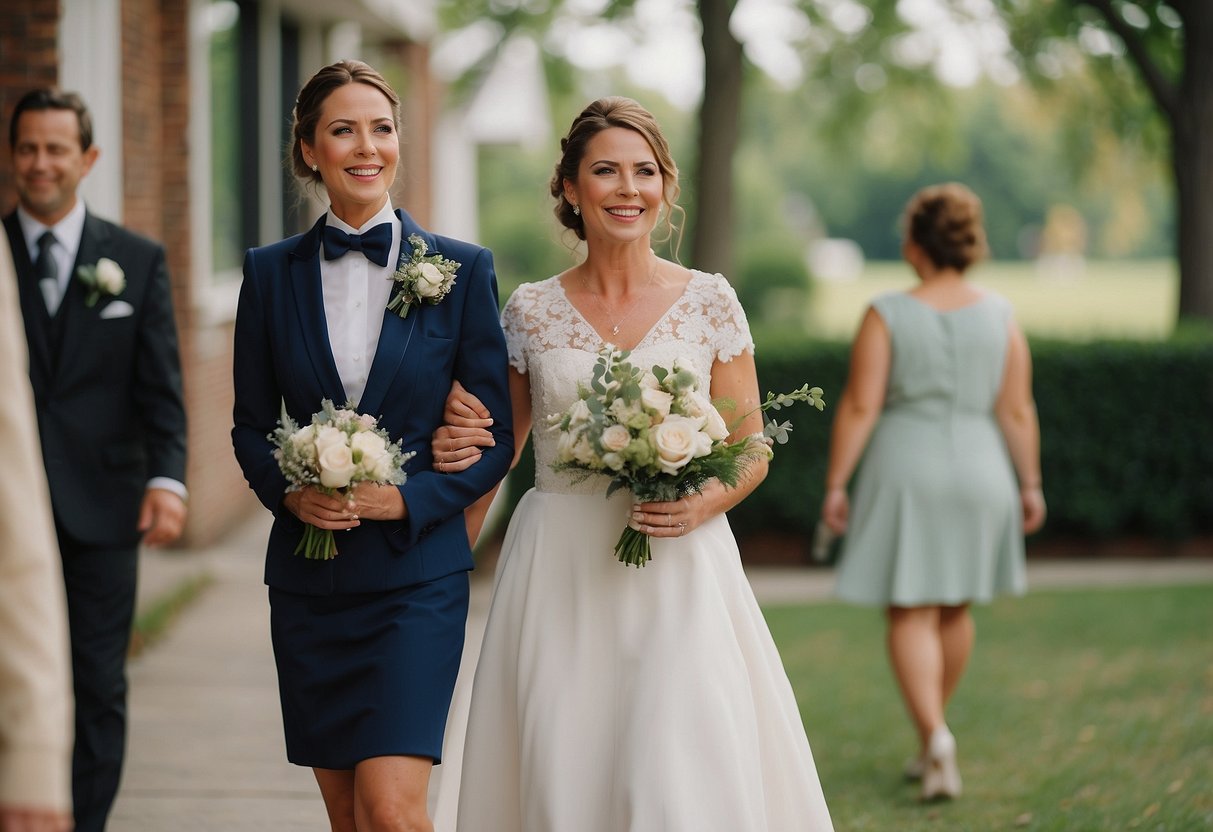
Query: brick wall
{"points": [[28, 58]]}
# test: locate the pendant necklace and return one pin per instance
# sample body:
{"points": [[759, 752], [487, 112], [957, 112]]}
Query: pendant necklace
{"points": [[615, 327]]}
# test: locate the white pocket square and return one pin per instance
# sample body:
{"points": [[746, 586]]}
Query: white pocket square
{"points": [[117, 309]]}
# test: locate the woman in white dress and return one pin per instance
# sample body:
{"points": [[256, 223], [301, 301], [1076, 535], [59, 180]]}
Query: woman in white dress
{"points": [[607, 698]]}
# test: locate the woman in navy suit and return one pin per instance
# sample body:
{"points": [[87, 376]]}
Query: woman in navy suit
{"points": [[367, 644]]}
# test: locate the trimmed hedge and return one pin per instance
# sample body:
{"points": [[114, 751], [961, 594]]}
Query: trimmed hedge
{"points": [[1126, 437]]}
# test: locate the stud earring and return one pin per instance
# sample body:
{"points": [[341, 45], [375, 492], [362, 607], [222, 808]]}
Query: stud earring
{"points": [[315, 167], [577, 210]]}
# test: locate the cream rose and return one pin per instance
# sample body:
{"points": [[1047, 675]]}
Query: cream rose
{"points": [[110, 277], [679, 440], [368, 446], [429, 281], [336, 466], [327, 436], [382, 469], [615, 438], [658, 400], [696, 404]]}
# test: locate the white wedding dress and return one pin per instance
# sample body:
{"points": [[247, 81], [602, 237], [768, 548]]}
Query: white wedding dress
{"points": [[609, 698]]}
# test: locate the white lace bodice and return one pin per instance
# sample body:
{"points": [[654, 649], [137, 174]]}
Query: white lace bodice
{"points": [[550, 341]]}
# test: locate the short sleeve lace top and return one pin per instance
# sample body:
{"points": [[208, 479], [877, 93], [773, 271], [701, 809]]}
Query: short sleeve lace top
{"points": [[552, 343]]}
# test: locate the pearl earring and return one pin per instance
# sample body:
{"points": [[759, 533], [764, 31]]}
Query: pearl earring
{"points": [[315, 167], [577, 210]]}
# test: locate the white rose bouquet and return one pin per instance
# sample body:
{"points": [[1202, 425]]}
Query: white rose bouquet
{"points": [[654, 433], [421, 278], [339, 448], [105, 277]]}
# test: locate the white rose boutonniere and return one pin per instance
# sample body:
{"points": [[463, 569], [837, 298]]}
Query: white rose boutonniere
{"points": [[421, 279], [105, 277]]}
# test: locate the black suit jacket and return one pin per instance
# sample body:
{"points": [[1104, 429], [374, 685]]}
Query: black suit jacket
{"points": [[108, 395]]}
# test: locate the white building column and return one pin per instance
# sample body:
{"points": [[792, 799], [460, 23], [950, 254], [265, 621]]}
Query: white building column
{"points": [[90, 54]]}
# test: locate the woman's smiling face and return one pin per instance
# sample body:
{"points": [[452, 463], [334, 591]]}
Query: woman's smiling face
{"points": [[356, 150], [619, 187]]}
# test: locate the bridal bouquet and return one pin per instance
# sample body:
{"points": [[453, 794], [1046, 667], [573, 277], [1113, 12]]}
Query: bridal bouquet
{"points": [[338, 449], [655, 433]]}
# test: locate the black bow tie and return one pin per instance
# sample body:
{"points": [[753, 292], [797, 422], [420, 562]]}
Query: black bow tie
{"points": [[376, 244]]}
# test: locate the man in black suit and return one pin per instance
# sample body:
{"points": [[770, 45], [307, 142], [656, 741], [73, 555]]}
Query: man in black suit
{"points": [[107, 389]]}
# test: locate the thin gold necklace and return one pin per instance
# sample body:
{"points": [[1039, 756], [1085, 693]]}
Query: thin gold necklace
{"points": [[585, 281]]}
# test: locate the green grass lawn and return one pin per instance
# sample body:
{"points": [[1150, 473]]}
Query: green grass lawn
{"points": [[1080, 711], [1123, 298]]}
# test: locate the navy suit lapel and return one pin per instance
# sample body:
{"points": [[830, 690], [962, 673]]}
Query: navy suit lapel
{"points": [[306, 287], [397, 333]]}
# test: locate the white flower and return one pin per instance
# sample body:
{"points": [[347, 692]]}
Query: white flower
{"points": [[579, 413], [429, 281], [327, 436], [658, 400], [336, 466], [679, 440], [615, 438], [564, 446], [381, 471], [110, 277], [304, 438], [583, 451], [368, 446], [694, 403], [421, 279], [648, 381], [623, 410], [613, 461]]}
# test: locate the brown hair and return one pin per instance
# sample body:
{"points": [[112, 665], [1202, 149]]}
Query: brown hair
{"points": [[946, 223], [614, 111], [49, 98], [311, 100]]}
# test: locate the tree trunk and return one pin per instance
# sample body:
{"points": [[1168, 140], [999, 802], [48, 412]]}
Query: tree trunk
{"points": [[719, 128], [1192, 160]]}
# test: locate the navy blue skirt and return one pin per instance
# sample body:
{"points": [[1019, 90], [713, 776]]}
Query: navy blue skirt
{"points": [[369, 674]]}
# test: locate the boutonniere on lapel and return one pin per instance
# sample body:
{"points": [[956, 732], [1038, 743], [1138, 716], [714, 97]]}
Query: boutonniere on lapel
{"points": [[421, 279], [105, 277]]}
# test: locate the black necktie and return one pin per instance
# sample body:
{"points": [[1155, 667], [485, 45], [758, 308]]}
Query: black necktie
{"points": [[47, 272], [375, 244]]}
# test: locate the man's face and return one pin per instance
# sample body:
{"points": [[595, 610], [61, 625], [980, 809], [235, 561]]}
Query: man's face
{"points": [[48, 163]]}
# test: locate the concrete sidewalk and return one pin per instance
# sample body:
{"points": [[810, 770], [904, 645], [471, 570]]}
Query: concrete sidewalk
{"points": [[206, 750]]}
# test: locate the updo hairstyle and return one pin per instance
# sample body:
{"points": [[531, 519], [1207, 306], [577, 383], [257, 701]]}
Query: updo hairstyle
{"points": [[613, 111], [311, 101], [945, 221]]}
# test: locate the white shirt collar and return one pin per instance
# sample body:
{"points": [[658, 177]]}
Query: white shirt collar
{"points": [[68, 230], [385, 214]]}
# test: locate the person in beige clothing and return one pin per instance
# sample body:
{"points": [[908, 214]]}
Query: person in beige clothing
{"points": [[35, 680]]}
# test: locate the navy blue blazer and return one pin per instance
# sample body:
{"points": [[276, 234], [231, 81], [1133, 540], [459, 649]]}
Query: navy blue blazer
{"points": [[282, 355]]}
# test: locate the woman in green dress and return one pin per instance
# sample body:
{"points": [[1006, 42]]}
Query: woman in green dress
{"points": [[938, 406]]}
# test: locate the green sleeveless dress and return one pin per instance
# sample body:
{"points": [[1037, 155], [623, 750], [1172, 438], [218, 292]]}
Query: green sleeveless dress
{"points": [[935, 514]]}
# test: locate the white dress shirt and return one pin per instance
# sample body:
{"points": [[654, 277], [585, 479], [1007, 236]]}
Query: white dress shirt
{"points": [[356, 293]]}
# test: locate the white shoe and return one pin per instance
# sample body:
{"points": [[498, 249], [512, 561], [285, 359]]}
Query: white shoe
{"points": [[914, 767], [941, 776]]}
